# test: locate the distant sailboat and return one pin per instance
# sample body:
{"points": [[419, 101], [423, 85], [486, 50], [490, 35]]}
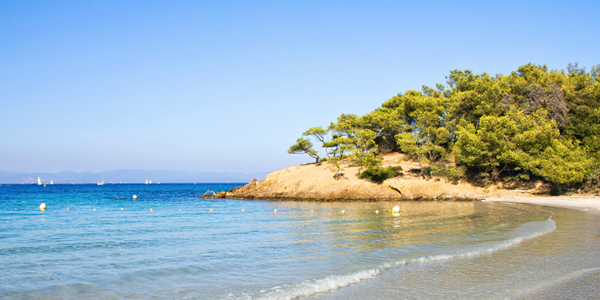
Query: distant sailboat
{"points": [[51, 181], [101, 183], [149, 181], [39, 181], [146, 181]]}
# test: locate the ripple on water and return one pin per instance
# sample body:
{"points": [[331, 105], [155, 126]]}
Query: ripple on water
{"points": [[240, 249]]}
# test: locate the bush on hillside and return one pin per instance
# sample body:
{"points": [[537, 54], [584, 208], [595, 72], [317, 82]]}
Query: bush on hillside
{"points": [[379, 174]]}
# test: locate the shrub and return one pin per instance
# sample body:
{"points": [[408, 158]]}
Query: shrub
{"points": [[379, 174], [592, 183], [454, 174]]}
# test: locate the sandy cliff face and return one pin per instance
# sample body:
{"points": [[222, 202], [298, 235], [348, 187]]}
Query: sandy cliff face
{"points": [[316, 182]]}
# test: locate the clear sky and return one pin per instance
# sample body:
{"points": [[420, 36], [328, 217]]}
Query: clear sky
{"points": [[230, 85]]}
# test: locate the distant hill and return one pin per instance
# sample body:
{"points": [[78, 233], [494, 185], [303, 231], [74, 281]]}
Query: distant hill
{"points": [[129, 176]]}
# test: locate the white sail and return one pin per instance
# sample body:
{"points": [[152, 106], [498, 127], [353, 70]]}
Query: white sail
{"points": [[39, 181], [51, 181]]}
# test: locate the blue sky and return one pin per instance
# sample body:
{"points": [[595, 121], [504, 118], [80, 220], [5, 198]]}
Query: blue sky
{"points": [[230, 85]]}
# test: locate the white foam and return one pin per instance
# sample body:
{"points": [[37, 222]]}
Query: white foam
{"points": [[525, 232], [327, 284], [334, 282]]}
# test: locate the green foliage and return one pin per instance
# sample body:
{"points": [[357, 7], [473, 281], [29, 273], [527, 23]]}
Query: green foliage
{"points": [[317, 132], [531, 122], [336, 165], [379, 174], [592, 183], [304, 146], [474, 96], [583, 120], [425, 138], [517, 142], [366, 160], [320, 134], [359, 142], [568, 99], [560, 162], [385, 123], [453, 173]]}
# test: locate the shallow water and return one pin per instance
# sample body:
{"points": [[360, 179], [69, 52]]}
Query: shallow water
{"points": [[280, 249]]}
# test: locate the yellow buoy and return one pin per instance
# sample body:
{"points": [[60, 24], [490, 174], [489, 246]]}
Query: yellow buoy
{"points": [[275, 210], [211, 209], [122, 208], [93, 209], [134, 197], [343, 211], [396, 209], [43, 206], [243, 210], [151, 209], [68, 208], [180, 209], [376, 211]]}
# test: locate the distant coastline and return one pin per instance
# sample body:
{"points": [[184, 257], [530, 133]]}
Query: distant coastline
{"points": [[127, 176]]}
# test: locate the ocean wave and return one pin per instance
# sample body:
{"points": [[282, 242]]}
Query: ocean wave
{"points": [[331, 283], [321, 285]]}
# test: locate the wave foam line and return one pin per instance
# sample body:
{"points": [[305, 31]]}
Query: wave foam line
{"points": [[544, 227], [334, 282], [327, 284]]}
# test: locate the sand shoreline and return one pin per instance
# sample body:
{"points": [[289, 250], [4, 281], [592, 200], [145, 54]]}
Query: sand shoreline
{"points": [[590, 204]]}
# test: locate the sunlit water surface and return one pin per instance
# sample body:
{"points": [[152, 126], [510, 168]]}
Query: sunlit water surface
{"points": [[171, 244]]}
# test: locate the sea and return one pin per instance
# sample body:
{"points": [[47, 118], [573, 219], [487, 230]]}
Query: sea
{"points": [[98, 242]]}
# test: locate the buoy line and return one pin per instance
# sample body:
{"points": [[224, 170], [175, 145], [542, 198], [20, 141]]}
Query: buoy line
{"points": [[395, 210]]}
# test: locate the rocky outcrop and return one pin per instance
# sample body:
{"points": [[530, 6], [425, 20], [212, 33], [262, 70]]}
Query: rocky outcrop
{"points": [[316, 182], [221, 194]]}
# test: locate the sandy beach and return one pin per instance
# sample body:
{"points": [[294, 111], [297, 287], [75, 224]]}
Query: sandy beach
{"points": [[583, 286], [590, 204]]}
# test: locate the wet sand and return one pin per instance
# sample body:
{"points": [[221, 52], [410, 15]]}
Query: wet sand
{"points": [[562, 264], [587, 284]]}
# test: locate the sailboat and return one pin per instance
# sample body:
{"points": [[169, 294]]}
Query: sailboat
{"points": [[51, 181], [39, 181], [146, 181]]}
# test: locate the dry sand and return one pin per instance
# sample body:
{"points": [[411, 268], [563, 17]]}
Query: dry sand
{"points": [[590, 205]]}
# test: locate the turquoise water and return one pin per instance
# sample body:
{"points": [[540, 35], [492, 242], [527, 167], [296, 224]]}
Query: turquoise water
{"points": [[171, 244]]}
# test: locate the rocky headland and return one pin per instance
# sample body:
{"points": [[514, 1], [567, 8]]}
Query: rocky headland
{"points": [[316, 182]]}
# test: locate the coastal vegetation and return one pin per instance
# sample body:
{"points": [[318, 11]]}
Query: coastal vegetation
{"points": [[533, 124]]}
